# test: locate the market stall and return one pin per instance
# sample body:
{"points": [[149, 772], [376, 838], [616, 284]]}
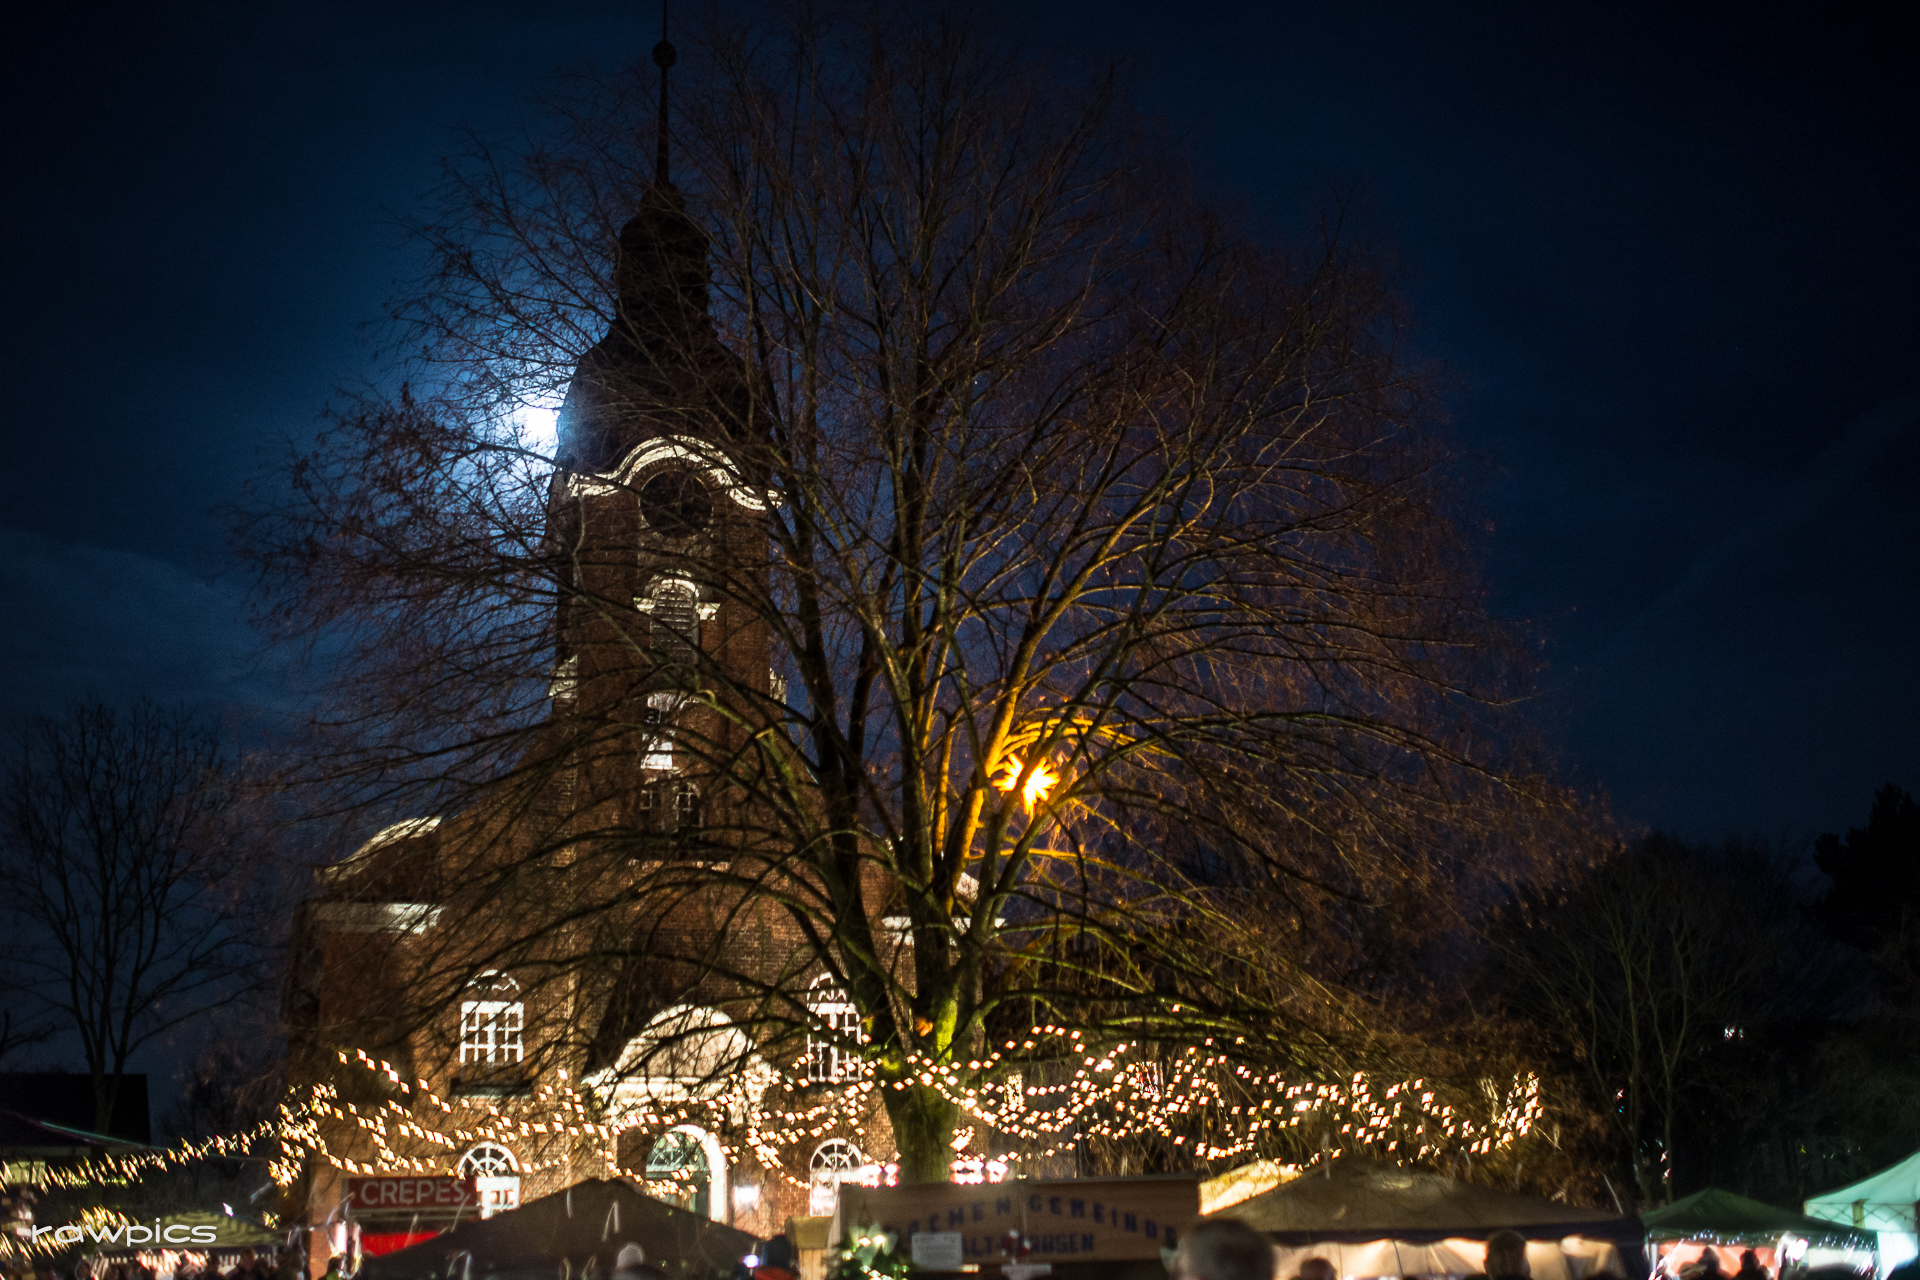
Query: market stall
{"points": [[1379, 1220], [1885, 1204], [571, 1232], [1680, 1234]]}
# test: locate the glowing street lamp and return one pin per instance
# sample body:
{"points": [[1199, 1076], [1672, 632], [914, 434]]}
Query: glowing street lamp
{"points": [[1039, 782]]}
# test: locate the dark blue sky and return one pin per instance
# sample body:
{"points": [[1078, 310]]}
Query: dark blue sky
{"points": [[1668, 260]]}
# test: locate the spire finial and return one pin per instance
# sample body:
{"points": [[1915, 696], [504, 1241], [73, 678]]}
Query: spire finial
{"points": [[663, 58]]}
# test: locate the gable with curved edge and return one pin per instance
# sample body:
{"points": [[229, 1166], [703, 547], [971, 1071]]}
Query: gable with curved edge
{"points": [[696, 453]]}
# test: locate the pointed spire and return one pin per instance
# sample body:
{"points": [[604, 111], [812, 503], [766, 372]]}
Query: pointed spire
{"points": [[663, 58]]}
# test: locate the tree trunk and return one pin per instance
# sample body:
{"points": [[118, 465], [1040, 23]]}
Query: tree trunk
{"points": [[923, 1124], [106, 1093]]}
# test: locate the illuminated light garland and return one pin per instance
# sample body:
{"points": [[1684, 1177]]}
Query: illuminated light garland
{"points": [[1108, 1096], [111, 1169]]}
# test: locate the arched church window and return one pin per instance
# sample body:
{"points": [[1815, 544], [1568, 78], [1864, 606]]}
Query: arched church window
{"points": [[834, 1162], [493, 1023], [488, 1160], [674, 634], [834, 1030]]}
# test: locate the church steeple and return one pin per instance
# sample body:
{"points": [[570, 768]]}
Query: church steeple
{"points": [[661, 369]]}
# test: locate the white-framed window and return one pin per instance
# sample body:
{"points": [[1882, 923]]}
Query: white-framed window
{"points": [[488, 1160], [657, 720], [688, 1167], [834, 1161], [831, 1057], [686, 806], [675, 613], [492, 1027], [835, 1155]]}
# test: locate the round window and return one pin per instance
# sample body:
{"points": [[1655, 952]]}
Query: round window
{"points": [[835, 1154], [675, 503], [488, 1161]]}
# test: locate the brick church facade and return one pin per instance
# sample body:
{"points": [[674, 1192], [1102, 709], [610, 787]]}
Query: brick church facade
{"points": [[573, 975]]}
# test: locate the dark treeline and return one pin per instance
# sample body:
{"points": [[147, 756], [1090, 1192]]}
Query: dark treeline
{"points": [[1730, 1014]]}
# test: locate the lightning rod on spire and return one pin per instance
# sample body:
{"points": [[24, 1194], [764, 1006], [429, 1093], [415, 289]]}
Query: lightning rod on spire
{"points": [[663, 58]]}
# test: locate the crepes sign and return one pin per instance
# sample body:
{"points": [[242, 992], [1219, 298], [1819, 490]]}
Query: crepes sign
{"points": [[1086, 1219], [372, 1195]]}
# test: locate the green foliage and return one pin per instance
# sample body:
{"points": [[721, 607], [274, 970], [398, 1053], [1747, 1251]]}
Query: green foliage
{"points": [[870, 1251]]}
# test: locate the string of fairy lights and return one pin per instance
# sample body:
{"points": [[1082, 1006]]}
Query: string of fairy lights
{"points": [[1199, 1100], [1111, 1096]]}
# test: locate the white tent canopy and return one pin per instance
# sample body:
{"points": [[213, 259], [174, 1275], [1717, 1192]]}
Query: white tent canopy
{"points": [[1373, 1220], [1573, 1258], [1883, 1203]]}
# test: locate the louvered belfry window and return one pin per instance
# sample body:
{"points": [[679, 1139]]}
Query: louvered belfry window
{"points": [[676, 621]]}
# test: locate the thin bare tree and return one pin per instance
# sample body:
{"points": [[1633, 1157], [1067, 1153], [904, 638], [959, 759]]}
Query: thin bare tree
{"points": [[125, 892], [1126, 657]]}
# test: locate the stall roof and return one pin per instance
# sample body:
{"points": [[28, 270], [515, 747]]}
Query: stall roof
{"points": [[1886, 1199], [63, 1101], [1357, 1200], [592, 1218], [1726, 1218]]}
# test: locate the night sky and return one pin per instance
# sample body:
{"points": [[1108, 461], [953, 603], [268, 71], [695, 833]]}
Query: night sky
{"points": [[1667, 259]]}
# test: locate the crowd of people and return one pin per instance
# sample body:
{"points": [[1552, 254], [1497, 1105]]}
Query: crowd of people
{"points": [[244, 1264], [1222, 1249], [1228, 1250]]}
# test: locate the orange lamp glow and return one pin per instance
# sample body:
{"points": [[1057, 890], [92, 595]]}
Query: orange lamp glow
{"points": [[1039, 782]]}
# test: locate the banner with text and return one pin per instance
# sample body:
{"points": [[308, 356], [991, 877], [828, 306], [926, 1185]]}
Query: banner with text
{"points": [[1087, 1219]]}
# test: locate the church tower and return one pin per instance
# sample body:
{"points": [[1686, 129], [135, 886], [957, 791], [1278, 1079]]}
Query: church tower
{"points": [[657, 541], [657, 524]]}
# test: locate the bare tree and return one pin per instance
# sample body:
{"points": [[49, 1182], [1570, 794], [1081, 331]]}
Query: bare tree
{"points": [[1124, 653], [123, 902], [1643, 966], [17, 1033]]}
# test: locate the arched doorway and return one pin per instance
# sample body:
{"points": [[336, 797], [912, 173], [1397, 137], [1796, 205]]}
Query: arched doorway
{"points": [[691, 1164]]}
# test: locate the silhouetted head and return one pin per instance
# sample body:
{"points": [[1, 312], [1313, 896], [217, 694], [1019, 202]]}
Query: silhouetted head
{"points": [[1224, 1249], [1507, 1255], [1318, 1269]]}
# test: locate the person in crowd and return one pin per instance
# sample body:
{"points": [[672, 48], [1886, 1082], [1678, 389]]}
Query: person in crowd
{"points": [[1224, 1249], [1507, 1256], [632, 1265], [1317, 1269], [1708, 1268], [776, 1261], [333, 1269], [1750, 1268]]}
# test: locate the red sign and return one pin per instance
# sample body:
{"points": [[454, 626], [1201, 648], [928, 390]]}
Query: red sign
{"points": [[375, 1243], [368, 1194]]}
